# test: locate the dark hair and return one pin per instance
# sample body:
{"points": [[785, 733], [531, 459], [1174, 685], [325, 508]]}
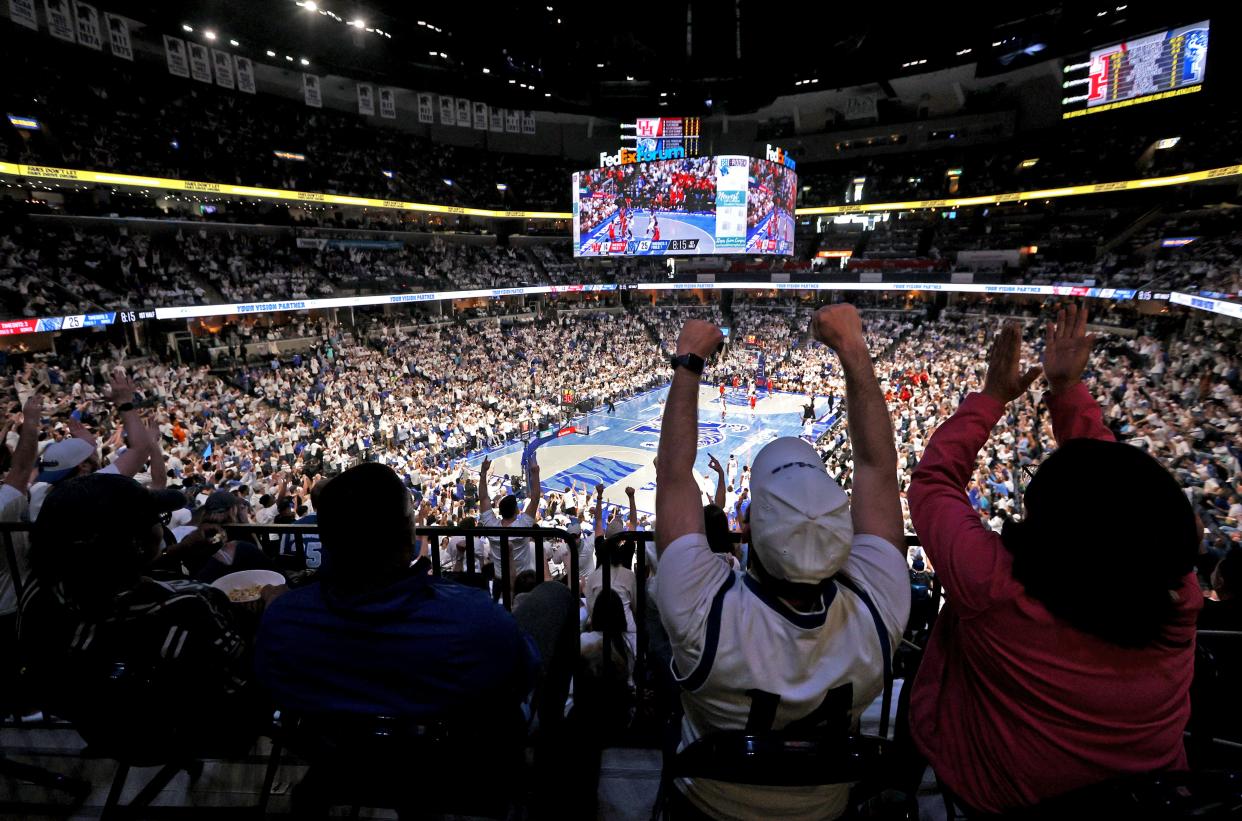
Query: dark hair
{"points": [[608, 617], [365, 527], [1111, 575], [508, 507], [525, 582], [94, 536], [1227, 576], [716, 527]]}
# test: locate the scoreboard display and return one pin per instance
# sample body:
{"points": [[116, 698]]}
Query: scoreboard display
{"points": [[659, 137], [1156, 67]]}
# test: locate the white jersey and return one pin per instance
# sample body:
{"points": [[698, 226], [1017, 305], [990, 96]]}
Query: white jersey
{"points": [[730, 637]]}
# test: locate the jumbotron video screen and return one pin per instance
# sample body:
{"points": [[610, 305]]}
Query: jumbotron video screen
{"points": [[1166, 64], [695, 205]]}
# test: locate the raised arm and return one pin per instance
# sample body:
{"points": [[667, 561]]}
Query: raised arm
{"points": [[485, 500], [599, 510], [24, 454], [1075, 413], [719, 499], [536, 490], [131, 461], [678, 508], [875, 505], [159, 470], [968, 556], [632, 523]]}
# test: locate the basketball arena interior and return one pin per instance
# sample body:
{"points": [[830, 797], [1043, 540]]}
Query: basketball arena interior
{"points": [[704, 411]]}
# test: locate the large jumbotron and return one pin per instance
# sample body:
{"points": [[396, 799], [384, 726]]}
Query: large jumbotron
{"points": [[692, 418]]}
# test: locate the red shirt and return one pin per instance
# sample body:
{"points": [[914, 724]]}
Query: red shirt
{"points": [[1012, 705]]}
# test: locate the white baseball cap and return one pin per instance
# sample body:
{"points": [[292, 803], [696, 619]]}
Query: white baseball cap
{"points": [[62, 458], [799, 517]]}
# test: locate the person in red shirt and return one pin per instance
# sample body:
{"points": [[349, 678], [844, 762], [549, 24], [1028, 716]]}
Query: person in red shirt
{"points": [[1065, 653]]}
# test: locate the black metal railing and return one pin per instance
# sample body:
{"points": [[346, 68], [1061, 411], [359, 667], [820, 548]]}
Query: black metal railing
{"points": [[286, 545]]}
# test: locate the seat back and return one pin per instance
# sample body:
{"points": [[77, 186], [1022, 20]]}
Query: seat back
{"points": [[388, 761], [783, 759], [1161, 795]]}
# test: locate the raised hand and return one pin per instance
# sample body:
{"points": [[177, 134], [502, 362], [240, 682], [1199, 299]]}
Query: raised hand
{"points": [[699, 337], [122, 386], [714, 464], [32, 410], [1005, 381], [485, 467], [629, 491], [838, 326], [1067, 348]]}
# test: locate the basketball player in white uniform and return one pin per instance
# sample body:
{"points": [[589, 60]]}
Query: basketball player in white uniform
{"points": [[799, 638]]}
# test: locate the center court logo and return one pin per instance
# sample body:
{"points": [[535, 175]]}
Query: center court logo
{"points": [[710, 433]]}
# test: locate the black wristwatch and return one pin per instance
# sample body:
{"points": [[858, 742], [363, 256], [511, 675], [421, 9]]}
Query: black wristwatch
{"points": [[690, 361]]}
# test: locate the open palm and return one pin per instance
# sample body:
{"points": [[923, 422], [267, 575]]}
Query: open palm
{"points": [[1067, 348]]}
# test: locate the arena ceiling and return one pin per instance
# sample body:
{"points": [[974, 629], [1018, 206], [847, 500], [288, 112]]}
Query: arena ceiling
{"points": [[617, 59]]}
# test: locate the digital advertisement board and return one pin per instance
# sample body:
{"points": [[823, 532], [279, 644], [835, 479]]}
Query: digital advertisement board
{"points": [[695, 205], [1156, 67]]}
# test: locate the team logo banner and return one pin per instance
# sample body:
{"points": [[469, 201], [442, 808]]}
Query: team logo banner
{"points": [[513, 122], [310, 90], [174, 52], [496, 119], [59, 22], [88, 26], [224, 68], [528, 122], [463, 113], [245, 74], [388, 103], [22, 12], [480, 116], [200, 63], [366, 100], [447, 115], [426, 110], [118, 37]]}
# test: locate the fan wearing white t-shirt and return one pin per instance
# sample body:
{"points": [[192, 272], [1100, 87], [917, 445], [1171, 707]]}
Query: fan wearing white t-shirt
{"points": [[803, 635], [521, 555]]}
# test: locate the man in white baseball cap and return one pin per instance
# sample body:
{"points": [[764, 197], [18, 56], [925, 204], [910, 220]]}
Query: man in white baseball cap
{"points": [[806, 633]]}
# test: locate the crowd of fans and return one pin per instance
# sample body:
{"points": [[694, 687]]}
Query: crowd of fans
{"points": [[397, 414], [102, 114]]}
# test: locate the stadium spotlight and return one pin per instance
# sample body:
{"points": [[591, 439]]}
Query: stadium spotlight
{"points": [[487, 71], [304, 61], [599, 65], [547, 93], [186, 27], [271, 53], [513, 82], [447, 181], [234, 43], [310, 5], [289, 57], [1168, 142], [358, 24], [500, 186], [210, 35]]}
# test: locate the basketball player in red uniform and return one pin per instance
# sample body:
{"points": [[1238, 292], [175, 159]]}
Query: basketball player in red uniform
{"points": [[655, 229]]}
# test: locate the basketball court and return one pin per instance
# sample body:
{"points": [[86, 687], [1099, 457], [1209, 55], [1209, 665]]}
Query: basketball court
{"points": [[620, 448]]}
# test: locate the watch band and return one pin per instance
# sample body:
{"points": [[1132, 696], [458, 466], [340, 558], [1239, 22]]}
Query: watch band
{"points": [[691, 362]]}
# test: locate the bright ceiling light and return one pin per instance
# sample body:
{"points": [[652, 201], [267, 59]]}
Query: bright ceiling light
{"points": [[187, 27], [234, 43], [304, 61], [271, 53], [358, 24], [210, 35], [310, 5], [487, 71]]}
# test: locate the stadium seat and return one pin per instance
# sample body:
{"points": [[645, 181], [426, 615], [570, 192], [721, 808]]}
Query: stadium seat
{"points": [[388, 762], [1159, 796]]}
